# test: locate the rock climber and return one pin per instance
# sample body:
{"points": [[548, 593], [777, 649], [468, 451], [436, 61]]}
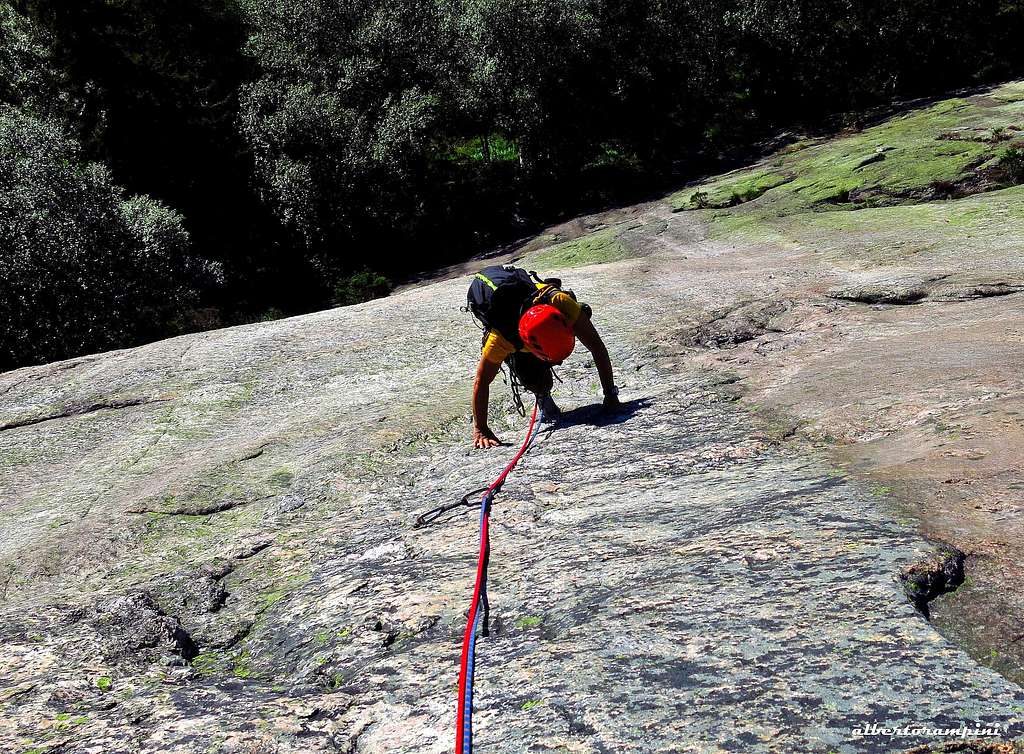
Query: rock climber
{"points": [[532, 325]]}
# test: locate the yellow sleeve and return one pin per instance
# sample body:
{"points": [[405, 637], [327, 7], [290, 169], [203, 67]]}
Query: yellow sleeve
{"points": [[567, 305], [496, 349]]}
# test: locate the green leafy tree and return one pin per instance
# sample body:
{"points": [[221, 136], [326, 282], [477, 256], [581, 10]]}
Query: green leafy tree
{"points": [[81, 269], [345, 117], [155, 87], [317, 148], [532, 67]]}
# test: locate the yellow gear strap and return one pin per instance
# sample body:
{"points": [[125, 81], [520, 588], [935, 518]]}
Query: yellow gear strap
{"points": [[487, 280]]}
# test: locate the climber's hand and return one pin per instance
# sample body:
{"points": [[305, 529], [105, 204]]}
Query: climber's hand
{"points": [[484, 438]]}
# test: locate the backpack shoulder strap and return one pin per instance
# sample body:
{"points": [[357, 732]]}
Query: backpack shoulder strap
{"points": [[551, 288]]}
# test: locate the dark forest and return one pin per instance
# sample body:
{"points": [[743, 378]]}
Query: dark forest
{"points": [[171, 166]]}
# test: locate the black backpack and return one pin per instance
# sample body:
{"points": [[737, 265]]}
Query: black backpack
{"points": [[498, 297]]}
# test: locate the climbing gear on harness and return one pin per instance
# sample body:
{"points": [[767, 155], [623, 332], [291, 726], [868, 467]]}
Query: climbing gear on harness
{"points": [[479, 609], [546, 332], [517, 388], [528, 372]]}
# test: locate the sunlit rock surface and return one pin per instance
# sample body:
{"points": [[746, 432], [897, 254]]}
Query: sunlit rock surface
{"points": [[208, 544]]}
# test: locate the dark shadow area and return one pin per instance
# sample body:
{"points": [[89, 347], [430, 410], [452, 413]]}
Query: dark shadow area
{"points": [[226, 198], [595, 415]]}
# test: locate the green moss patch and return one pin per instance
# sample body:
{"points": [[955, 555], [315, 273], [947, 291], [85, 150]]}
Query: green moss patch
{"points": [[529, 621], [594, 248], [730, 190], [209, 664], [913, 157], [931, 234]]}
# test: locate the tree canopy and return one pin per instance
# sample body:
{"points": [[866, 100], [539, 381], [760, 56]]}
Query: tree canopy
{"points": [[286, 155]]}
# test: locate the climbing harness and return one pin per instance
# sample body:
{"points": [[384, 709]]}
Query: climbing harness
{"points": [[517, 386], [479, 609]]}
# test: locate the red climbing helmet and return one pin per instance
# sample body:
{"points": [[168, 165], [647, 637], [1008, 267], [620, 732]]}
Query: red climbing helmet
{"points": [[546, 333]]}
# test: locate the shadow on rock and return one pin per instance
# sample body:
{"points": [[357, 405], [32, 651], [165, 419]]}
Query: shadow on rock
{"points": [[597, 416]]}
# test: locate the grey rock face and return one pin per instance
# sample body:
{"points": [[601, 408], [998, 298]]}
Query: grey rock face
{"points": [[664, 579]]}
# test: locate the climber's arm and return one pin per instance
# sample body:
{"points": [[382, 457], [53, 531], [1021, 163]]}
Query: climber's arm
{"points": [[589, 337], [486, 371]]}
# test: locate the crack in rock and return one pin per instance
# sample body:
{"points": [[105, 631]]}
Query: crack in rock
{"points": [[930, 578], [880, 293], [81, 410], [939, 288], [132, 626], [200, 509], [735, 325], [252, 548], [969, 292], [254, 454], [197, 508]]}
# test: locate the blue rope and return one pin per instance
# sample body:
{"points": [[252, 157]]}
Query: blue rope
{"points": [[467, 735]]}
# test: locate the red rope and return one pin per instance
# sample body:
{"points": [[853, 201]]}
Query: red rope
{"points": [[481, 575]]}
